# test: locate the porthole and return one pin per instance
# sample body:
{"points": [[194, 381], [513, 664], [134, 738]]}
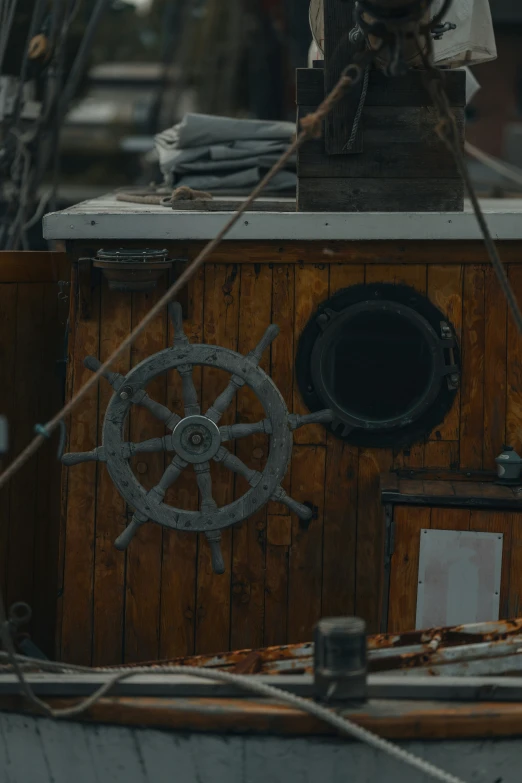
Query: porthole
{"points": [[384, 359]]}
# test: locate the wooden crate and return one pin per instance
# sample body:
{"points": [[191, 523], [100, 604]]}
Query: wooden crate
{"points": [[398, 164]]}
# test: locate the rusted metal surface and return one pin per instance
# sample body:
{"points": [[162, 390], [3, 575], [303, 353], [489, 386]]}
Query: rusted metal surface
{"points": [[481, 649]]}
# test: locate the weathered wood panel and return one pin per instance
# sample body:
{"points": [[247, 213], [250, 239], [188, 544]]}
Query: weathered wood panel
{"points": [[367, 194], [8, 304], [143, 557], [47, 524], [80, 529], [180, 550], [32, 335], [111, 509], [279, 524], [495, 364], [311, 288], [396, 161], [405, 567], [249, 538], [305, 567], [282, 574], [220, 327], [514, 370], [405, 560], [407, 91], [299, 252], [340, 503], [473, 345]]}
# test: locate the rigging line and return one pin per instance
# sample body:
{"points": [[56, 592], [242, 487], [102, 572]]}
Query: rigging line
{"points": [[498, 166], [449, 134], [311, 126]]}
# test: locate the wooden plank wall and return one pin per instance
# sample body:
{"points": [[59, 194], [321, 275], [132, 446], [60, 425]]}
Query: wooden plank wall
{"points": [[161, 599], [409, 521], [32, 341]]}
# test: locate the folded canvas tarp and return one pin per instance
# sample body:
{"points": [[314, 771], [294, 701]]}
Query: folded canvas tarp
{"points": [[214, 153]]}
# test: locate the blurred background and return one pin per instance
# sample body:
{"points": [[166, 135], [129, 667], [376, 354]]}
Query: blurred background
{"points": [[151, 61]]}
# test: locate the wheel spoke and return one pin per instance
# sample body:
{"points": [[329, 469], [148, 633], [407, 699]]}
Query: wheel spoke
{"points": [[190, 395], [302, 511], [236, 465], [321, 417], [93, 364], [123, 540], [216, 555], [219, 406], [139, 397], [235, 431], [204, 480], [169, 477], [76, 457], [268, 337], [150, 446], [158, 410]]}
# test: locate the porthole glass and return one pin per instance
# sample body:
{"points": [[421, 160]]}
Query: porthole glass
{"points": [[384, 359]]}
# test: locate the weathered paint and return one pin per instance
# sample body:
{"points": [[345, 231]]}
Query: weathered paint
{"points": [[36, 750]]}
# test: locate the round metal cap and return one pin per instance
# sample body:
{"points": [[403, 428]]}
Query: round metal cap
{"points": [[196, 439]]}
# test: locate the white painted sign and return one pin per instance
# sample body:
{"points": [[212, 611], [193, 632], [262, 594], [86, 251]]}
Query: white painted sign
{"points": [[459, 578]]}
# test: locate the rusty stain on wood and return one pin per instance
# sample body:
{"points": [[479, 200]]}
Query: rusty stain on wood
{"points": [[80, 531], [311, 288], [249, 538], [143, 582], [305, 577], [180, 549], [405, 567], [111, 510], [221, 319], [472, 389], [495, 363], [514, 370], [279, 530]]}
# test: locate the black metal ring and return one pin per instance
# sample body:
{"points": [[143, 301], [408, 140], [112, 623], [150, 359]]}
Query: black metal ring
{"points": [[426, 411]]}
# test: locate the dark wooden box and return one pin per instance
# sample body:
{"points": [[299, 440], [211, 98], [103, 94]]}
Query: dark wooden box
{"points": [[399, 164]]}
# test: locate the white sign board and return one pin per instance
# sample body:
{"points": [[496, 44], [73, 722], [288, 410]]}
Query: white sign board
{"points": [[459, 578]]}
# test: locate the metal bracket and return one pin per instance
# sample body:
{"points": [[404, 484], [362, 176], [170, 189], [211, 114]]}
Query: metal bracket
{"points": [[389, 548], [85, 286], [448, 340]]}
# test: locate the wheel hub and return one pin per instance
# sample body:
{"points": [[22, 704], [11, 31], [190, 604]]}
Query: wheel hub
{"points": [[196, 439]]}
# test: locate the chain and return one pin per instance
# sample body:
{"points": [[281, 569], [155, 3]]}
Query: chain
{"points": [[351, 141]]}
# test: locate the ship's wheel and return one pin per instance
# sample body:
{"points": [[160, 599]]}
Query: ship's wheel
{"points": [[197, 439]]}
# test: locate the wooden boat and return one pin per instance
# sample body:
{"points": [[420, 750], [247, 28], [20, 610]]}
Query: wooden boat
{"points": [[441, 685], [398, 354]]}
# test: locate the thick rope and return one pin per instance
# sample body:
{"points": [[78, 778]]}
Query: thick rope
{"points": [[311, 127]]}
